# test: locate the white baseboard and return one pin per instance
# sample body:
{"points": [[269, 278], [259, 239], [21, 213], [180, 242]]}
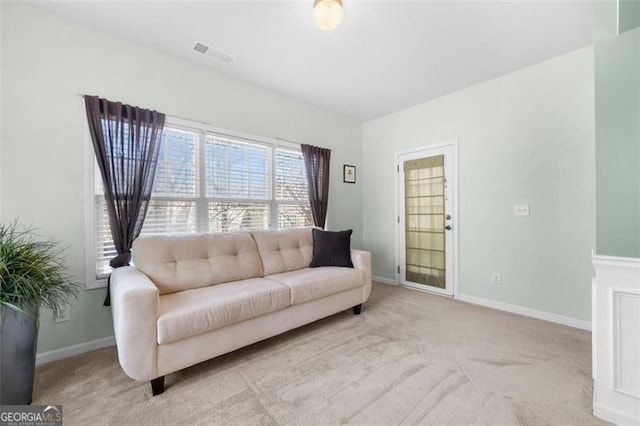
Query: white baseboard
{"points": [[612, 416], [384, 280], [528, 312], [69, 351]]}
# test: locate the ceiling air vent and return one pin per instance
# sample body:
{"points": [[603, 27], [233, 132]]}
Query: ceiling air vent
{"points": [[218, 54], [201, 48]]}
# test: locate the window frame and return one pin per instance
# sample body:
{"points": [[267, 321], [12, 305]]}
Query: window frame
{"points": [[202, 200]]}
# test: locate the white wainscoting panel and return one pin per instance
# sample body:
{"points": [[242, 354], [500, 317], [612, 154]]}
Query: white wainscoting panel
{"points": [[616, 339], [626, 343]]}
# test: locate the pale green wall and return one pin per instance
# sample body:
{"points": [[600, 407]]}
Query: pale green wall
{"points": [[524, 137], [617, 94], [47, 61], [629, 14]]}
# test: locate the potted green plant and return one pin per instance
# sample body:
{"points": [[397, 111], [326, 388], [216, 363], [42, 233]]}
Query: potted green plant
{"points": [[32, 274]]}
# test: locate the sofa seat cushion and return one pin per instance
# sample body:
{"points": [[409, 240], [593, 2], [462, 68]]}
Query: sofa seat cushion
{"points": [[314, 283], [192, 312]]}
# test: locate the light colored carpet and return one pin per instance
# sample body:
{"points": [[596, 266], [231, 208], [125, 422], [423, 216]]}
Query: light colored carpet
{"points": [[409, 358]]}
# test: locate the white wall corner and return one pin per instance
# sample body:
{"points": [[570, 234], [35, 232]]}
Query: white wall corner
{"points": [[384, 280], [616, 339]]}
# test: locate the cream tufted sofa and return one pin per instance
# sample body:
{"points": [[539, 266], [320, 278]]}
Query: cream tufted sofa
{"points": [[192, 298]]}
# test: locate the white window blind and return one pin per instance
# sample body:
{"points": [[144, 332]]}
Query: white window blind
{"points": [[208, 181], [236, 216], [291, 190], [176, 173], [291, 182], [237, 169]]}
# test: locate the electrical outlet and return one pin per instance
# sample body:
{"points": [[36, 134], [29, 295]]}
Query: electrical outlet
{"points": [[63, 316], [521, 209], [496, 278]]}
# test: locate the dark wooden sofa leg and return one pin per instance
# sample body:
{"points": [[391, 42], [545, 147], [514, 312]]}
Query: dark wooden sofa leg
{"points": [[157, 386], [357, 309]]}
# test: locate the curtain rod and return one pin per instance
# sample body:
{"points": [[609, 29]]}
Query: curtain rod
{"points": [[209, 124]]}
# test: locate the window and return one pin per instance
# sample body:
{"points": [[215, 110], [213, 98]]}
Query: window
{"points": [[209, 180]]}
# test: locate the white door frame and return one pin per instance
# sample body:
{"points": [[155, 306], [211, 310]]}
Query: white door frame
{"points": [[454, 223]]}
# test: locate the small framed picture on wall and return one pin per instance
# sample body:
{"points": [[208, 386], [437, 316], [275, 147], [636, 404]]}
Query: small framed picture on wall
{"points": [[349, 174]]}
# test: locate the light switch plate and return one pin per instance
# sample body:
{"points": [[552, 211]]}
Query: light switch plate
{"points": [[521, 209]]}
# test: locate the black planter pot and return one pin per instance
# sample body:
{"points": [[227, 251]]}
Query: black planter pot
{"points": [[18, 341]]}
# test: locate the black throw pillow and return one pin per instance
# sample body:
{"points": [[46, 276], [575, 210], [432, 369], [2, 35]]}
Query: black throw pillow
{"points": [[331, 248]]}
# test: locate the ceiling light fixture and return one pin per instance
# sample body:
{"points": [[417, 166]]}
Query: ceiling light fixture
{"points": [[327, 14]]}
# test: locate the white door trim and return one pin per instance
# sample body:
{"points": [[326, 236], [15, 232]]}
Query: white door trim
{"points": [[455, 223]]}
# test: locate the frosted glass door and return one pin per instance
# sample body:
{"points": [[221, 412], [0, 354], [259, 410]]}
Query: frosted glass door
{"points": [[426, 219]]}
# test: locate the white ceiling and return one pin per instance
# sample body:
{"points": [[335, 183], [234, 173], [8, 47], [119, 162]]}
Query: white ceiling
{"points": [[386, 55]]}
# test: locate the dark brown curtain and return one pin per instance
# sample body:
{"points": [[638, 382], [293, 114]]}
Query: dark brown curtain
{"points": [[126, 141], [316, 161]]}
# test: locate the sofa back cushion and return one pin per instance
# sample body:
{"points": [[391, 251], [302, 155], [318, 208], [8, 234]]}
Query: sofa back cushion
{"points": [[176, 263], [284, 251]]}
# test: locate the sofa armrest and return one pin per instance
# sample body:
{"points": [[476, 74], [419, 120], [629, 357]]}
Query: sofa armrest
{"points": [[134, 302], [362, 260]]}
